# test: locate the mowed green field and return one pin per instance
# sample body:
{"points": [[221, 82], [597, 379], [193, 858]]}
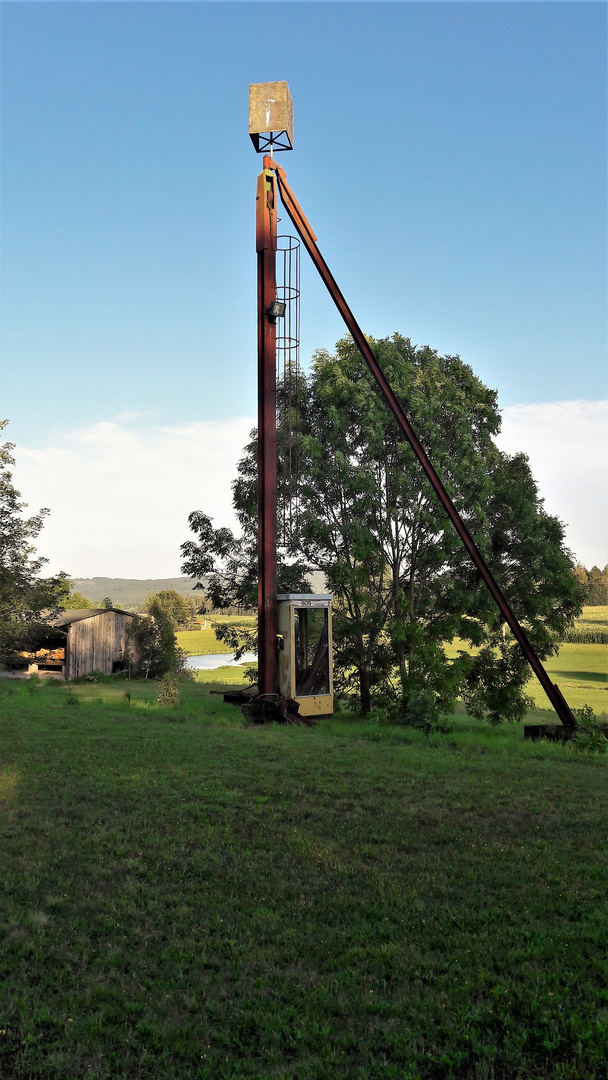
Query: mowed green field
{"points": [[204, 642], [581, 672], [184, 897], [200, 642]]}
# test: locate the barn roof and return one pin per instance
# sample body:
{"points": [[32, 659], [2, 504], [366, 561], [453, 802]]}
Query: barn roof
{"points": [[76, 614]]}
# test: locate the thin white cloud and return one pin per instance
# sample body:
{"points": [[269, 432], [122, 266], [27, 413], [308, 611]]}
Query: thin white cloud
{"points": [[120, 492], [567, 444]]}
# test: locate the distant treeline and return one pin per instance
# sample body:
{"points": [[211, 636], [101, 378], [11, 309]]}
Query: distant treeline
{"points": [[595, 583]]}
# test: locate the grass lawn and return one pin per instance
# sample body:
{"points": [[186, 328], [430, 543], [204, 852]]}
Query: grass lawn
{"points": [[204, 642], [581, 672], [183, 897], [200, 642]]}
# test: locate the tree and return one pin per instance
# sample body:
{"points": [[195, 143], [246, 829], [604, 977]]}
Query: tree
{"points": [[595, 584], [597, 589], [152, 641], [226, 565], [181, 609], [404, 587], [77, 602], [27, 601]]}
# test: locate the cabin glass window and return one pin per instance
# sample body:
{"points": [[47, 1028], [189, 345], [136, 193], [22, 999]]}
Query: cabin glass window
{"points": [[311, 640]]}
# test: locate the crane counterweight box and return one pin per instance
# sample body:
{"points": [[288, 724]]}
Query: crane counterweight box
{"points": [[270, 116], [305, 651]]}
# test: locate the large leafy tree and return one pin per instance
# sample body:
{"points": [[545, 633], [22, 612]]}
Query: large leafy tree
{"points": [[595, 584], [27, 601], [404, 587], [404, 584], [181, 609], [226, 565], [225, 570], [153, 644]]}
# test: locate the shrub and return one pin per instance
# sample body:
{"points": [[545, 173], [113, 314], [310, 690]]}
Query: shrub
{"points": [[590, 735], [420, 710], [154, 646], [168, 691]]}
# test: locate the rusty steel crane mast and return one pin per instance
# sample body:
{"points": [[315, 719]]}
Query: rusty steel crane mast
{"points": [[266, 243], [274, 113]]}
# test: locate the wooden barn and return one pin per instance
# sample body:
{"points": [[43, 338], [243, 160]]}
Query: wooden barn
{"points": [[96, 640]]}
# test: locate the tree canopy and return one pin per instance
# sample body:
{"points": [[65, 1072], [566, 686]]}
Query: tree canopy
{"points": [[152, 641], [27, 601], [405, 586], [181, 609], [595, 584], [76, 601], [414, 625]]}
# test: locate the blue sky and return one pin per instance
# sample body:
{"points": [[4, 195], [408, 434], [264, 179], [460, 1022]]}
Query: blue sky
{"points": [[451, 158]]}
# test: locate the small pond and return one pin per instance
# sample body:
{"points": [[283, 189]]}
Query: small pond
{"points": [[216, 660]]}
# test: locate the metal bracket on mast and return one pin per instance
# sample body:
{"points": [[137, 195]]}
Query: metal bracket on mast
{"points": [[309, 240]]}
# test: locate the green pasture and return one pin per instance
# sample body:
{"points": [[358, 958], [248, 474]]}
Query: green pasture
{"points": [[200, 642], [581, 672], [236, 620], [204, 642], [184, 897]]}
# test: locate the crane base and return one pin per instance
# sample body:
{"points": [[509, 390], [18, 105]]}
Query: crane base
{"points": [[553, 732], [266, 708]]}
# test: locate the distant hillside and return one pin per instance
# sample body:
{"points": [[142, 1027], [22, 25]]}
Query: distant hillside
{"points": [[130, 593]]}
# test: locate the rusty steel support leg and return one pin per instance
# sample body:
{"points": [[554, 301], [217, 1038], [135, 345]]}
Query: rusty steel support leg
{"points": [[266, 243], [309, 240]]}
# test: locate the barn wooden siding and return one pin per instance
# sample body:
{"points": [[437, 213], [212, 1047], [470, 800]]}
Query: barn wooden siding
{"points": [[94, 644]]}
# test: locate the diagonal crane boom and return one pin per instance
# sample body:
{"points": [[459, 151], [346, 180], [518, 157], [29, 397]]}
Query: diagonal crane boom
{"points": [[309, 240]]}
